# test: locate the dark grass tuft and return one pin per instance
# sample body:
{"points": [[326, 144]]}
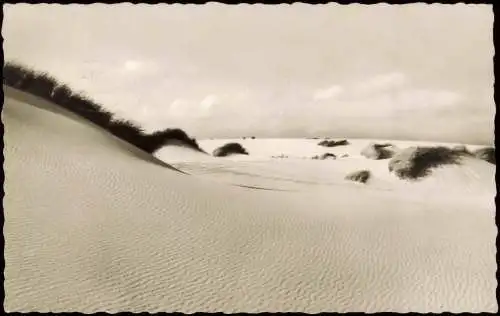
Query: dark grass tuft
{"points": [[280, 156], [14, 74], [229, 149], [361, 176], [486, 154], [172, 136], [416, 162], [333, 143], [378, 151], [41, 85], [45, 86], [384, 145], [90, 110], [61, 95], [324, 156]]}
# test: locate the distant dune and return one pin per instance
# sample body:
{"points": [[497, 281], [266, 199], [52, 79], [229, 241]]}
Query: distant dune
{"points": [[92, 224]]}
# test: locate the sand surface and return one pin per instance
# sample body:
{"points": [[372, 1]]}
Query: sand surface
{"points": [[90, 226]]}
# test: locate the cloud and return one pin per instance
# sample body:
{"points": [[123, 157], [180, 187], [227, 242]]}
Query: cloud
{"points": [[179, 108], [328, 93], [208, 102], [392, 81], [382, 82], [381, 95], [132, 65], [406, 102], [426, 99]]}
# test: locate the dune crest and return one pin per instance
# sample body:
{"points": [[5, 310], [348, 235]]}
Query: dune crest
{"points": [[45, 86]]}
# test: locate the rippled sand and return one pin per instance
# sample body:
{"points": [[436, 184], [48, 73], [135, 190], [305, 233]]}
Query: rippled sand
{"points": [[91, 225]]}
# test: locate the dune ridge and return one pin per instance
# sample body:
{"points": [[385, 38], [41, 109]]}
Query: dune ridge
{"points": [[47, 87], [90, 226]]}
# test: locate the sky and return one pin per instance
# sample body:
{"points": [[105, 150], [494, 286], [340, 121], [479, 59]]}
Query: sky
{"points": [[413, 71]]}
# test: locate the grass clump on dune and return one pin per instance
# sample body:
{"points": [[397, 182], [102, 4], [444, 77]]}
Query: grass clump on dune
{"points": [[486, 154], [324, 156], [45, 86], [172, 136], [416, 162], [378, 151], [230, 149], [333, 143], [361, 176], [280, 156]]}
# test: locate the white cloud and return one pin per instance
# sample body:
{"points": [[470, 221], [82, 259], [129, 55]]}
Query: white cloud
{"points": [[328, 93], [179, 107], [208, 102], [132, 65], [384, 95], [389, 104], [426, 99], [381, 82]]}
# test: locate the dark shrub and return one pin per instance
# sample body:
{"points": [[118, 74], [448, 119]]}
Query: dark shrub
{"points": [[42, 85], [343, 142], [88, 109], [324, 156], [333, 143], [61, 95], [280, 156], [129, 132], [417, 162], [487, 154], [382, 145], [22, 78], [171, 136], [13, 74], [253, 137], [378, 151], [27, 82], [229, 149], [359, 176]]}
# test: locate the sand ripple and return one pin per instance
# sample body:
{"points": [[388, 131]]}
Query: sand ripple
{"points": [[90, 228]]}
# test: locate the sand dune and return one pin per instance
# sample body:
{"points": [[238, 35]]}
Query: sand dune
{"points": [[300, 172], [92, 225]]}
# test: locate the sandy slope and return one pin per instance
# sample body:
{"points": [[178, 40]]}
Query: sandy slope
{"points": [[90, 226]]}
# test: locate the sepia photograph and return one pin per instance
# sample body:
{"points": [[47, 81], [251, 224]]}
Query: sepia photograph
{"points": [[249, 158]]}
